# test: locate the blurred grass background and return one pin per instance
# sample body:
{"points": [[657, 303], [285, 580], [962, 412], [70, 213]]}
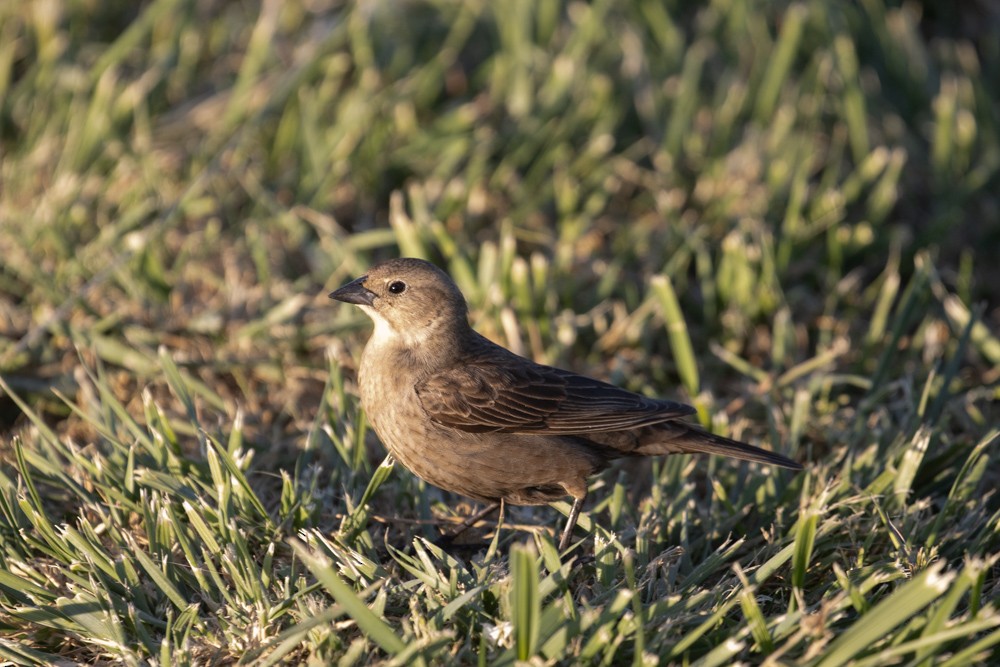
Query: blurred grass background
{"points": [[787, 214]]}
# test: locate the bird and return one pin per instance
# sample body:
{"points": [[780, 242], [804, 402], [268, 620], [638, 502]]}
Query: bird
{"points": [[471, 417]]}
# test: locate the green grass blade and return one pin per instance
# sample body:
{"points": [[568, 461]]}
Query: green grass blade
{"points": [[526, 604], [373, 627]]}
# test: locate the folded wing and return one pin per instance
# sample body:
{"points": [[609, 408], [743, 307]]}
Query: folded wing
{"points": [[516, 396]]}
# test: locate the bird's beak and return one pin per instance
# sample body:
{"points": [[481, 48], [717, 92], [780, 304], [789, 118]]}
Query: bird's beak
{"points": [[354, 292]]}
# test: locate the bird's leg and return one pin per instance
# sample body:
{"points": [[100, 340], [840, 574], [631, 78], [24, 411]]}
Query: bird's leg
{"points": [[574, 514], [472, 520]]}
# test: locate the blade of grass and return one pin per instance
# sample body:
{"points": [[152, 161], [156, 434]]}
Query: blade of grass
{"points": [[373, 627]]}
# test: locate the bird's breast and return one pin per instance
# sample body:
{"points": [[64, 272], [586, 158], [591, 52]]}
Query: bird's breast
{"points": [[387, 379]]}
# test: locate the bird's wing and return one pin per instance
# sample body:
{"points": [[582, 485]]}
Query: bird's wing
{"points": [[523, 397]]}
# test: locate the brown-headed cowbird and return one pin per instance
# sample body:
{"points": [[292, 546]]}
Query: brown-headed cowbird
{"points": [[469, 416]]}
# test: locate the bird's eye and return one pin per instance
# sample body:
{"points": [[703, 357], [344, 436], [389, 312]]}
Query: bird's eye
{"points": [[397, 287]]}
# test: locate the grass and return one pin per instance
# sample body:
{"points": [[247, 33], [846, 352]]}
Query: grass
{"points": [[785, 214]]}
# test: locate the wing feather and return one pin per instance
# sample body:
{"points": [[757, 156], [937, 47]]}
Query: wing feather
{"points": [[509, 394]]}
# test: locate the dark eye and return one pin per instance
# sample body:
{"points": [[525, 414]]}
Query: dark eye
{"points": [[397, 287]]}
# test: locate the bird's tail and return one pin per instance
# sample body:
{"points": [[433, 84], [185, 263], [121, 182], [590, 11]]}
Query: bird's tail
{"points": [[678, 437]]}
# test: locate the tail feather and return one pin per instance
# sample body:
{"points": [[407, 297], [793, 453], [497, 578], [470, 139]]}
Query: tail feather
{"points": [[677, 438]]}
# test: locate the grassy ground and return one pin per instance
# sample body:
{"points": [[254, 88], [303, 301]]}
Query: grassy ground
{"points": [[786, 214]]}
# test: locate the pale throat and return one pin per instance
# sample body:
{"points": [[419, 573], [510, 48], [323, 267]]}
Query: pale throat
{"points": [[385, 335]]}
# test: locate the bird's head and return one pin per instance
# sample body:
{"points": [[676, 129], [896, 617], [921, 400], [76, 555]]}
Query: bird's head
{"points": [[409, 300]]}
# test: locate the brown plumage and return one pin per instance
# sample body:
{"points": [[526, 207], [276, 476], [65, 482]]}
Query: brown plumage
{"points": [[469, 416]]}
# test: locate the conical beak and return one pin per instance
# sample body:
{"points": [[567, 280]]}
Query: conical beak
{"points": [[354, 292]]}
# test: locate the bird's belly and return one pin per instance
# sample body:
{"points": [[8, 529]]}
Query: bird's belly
{"points": [[521, 469]]}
